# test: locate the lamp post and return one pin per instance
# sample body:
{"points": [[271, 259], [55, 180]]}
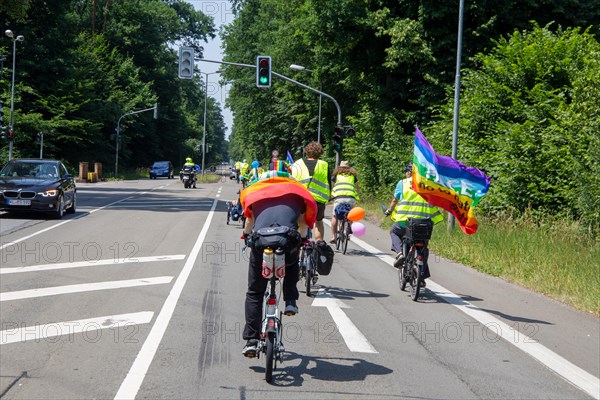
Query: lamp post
{"points": [[297, 67], [19, 38], [205, 101]]}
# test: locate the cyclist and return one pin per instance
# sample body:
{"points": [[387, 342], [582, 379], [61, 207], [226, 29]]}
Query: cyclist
{"points": [[314, 175], [244, 168], [409, 204], [275, 199], [237, 166], [345, 191]]}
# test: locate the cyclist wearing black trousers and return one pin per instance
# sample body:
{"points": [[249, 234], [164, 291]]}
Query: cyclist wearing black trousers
{"points": [[408, 204], [270, 202]]}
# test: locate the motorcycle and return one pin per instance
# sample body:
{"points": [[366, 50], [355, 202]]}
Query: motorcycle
{"points": [[188, 177]]}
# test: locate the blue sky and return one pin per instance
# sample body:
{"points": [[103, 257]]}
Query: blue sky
{"points": [[221, 12]]}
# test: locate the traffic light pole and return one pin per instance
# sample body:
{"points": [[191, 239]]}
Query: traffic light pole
{"points": [[317, 91], [118, 137]]}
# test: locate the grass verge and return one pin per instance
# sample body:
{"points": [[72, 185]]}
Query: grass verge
{"points": [[548, 255]]}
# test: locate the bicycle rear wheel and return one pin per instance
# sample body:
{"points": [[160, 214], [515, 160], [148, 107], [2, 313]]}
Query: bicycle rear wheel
{"points": [[309, 274], [270, 356], [346, 236], [416, 286], [339, 235]]}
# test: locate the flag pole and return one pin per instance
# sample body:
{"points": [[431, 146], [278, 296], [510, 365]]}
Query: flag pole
{"points": [[457, 94]]}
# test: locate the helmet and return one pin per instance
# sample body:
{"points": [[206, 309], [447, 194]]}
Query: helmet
{"points": [[244, 160], [408, 167], [255, 164], [188, 159]]}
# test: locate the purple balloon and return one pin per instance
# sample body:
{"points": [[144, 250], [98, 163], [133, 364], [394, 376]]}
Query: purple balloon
{"points": [[358, 228]]}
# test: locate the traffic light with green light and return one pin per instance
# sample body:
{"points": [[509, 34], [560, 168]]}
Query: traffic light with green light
{"points": [[263, 71]]}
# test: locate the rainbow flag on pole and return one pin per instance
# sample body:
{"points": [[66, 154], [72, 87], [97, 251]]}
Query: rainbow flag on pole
{"points": [[446, 183]]}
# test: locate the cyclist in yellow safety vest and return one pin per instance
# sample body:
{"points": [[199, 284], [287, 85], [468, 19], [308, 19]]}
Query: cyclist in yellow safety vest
{"points": [[409, 204], [314, 175], [244, 167], [345, 190]]}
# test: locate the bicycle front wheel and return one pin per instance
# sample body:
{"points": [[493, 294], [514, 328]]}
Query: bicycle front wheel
{"points": [[270, 357]]}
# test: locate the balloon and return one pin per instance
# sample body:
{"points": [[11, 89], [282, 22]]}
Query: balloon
{"points": [[356, 214], [358, 228]]}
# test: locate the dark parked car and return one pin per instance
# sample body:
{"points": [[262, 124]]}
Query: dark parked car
{"points": [[162, 169], [37, 185]]}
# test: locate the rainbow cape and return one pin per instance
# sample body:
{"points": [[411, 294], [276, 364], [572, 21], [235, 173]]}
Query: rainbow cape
{"points": [[446, 183], [274, 184]]}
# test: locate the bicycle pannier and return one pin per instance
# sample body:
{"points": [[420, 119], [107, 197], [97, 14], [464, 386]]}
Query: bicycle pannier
{"points": [[419, 228], [324, 257]]}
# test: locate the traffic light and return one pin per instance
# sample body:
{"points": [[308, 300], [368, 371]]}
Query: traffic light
{"points": [[1, 112], [263, 71], [3, 132], [186, 62], [11, 136], [337, 139]]}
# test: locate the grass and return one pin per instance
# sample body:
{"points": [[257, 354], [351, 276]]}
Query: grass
{"points": [[551, 256]]}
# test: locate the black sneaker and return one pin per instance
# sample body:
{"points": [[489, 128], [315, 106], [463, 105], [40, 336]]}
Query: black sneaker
{"points": [[423, 284], [399, 260], [250, 348], [290, 308]]}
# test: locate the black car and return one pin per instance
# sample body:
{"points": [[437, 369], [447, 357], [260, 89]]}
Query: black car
{"points": [[37, 185], [161, 169]]}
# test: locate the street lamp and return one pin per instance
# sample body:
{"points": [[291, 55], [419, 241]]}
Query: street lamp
{"points": [[297, 67], [205, 101], [19, 38]]}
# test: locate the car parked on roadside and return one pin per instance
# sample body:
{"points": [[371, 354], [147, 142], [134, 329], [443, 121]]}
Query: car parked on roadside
{"points": [[161, 169], [42, 185]]}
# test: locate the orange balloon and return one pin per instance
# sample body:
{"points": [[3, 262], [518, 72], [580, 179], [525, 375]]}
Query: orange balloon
{"points": [[356, 214]]}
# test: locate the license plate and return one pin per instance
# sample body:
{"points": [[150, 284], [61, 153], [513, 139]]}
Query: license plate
{"points": [[185, 177], [18, 202]]}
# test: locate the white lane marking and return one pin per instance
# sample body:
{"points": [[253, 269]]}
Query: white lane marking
{"points": [[569, 371], [59, 224], [56, 329], [133, 381], [92, 263], [355, 340], [563, 367], [83, 287]]}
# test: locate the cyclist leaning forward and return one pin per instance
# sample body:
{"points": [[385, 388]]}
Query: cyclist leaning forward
{"points": [[344, 193]]}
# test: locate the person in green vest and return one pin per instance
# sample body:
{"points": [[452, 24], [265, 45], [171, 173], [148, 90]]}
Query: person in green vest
{"points": [[409, 204], [315, 176], [345, 191]]}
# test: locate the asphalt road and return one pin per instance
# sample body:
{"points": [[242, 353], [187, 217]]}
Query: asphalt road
{"points": [[140, 294]]}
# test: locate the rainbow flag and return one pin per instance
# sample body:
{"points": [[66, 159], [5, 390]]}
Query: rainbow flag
{"points": [[446, 183], [289, 158]]}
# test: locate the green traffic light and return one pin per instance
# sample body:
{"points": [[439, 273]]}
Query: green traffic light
{"points": [[263, 80]]}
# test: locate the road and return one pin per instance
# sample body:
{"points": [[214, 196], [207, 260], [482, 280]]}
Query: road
{"points": [[140, 294]]}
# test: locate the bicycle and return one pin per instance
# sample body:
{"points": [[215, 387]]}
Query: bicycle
{"points": [[344, 228], [414, 243], [276, 241], [308, 266]]}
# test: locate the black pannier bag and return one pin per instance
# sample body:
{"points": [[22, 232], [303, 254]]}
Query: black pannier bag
{"points": [[419, 228], [324, 257]]}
